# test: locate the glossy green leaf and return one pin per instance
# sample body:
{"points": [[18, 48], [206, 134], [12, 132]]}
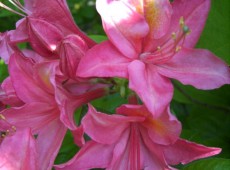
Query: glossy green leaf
{"points": [[216, 34]]}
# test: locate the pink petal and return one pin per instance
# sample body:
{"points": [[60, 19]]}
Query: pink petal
{"points": [[165, 130], [78, 136], [91, 155], [154, 90], [20, 34], [125, 28], [158, 16], [199, 68], [8, 94], [49, 142], [103, 60], [195, 14], [57, 13], [21, 73], [43, 36], [71, 50], [151, 153], [184, 152], [18, 151], [106, 129], [68, 103], [6, 50], [34, 115]]}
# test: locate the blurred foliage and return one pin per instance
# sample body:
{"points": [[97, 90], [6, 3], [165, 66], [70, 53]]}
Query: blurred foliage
{"points": [[205, 115]]}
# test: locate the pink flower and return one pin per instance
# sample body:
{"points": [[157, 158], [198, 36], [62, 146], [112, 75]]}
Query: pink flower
{"points": [[150, 42], [17, 147], [47, 107], [134, 139]]}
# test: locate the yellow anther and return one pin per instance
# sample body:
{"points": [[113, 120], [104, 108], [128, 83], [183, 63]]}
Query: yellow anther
{"points": [[174, 36], [178, 48], [159, 48], [2, 117], [3, 135], [182, 23]]}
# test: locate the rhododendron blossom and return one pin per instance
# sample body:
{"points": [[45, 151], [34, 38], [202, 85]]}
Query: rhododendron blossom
{"points": [[134, 139], [151, 41]]}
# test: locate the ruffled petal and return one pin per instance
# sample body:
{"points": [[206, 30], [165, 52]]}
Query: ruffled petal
{"points": [[125, 28], [103, 60], [184, 152], [199, 68], [154, 90]]}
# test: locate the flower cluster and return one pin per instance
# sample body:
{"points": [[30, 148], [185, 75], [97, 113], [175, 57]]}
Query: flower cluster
{"points": [[149, 42]]}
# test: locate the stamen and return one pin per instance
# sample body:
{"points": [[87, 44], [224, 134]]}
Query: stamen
{"points": [[11, 10]]}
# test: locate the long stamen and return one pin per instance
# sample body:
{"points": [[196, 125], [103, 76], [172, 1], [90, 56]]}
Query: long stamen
{"points": [[11, 10], [17, 4], [166, 52]]}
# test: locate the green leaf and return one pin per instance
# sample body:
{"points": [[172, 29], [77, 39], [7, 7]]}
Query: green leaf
{"points": [[218, 99], [68, 149], [3, 71], [98, 38], [216, 34], [209, 164]]}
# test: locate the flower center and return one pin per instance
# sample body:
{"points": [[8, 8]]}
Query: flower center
{"points": [[165, 52]]}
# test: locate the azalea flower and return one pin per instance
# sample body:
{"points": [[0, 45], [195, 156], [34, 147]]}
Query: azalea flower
{"points": [[150, 42], [133, 139], [47, 107]]}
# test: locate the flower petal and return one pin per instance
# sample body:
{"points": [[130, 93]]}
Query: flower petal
{"points": [[34, 115], [49, 142], [184, 152], [106, 129], [57, 13], [91, 155], [199, 68], [195, 13], [21, 73], [18, 151], [103, 60], [158, 15], [43, 36], [125, 28], [6, 50], [154, 90], [8, 94]]}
